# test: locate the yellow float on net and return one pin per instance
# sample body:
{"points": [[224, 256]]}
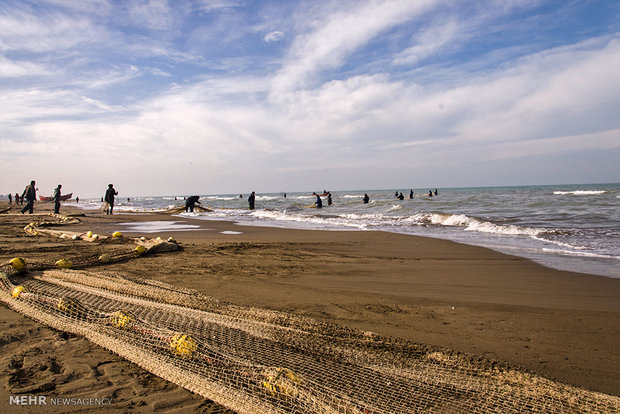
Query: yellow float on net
{"points": [[140, 250], [121, 320], [64, 264], [17, 291], [18, 264], [89, 234], [69, 306], [280, 382], [182, 345], [117, 234]]}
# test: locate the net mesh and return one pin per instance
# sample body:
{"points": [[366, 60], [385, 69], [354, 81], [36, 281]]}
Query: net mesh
{"points": [[253, 360]]}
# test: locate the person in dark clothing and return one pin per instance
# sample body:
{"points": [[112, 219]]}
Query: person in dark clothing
{"points": [[251, 200], [190, 202], [109, 198], [329, 199], [318, 203], [430, 193], [366, 198], [411, 194], [11, 199], [30, 192], [435, 191], [57, 199], [401, 196]]}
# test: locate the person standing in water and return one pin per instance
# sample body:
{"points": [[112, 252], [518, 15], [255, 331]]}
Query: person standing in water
{"points": [[366, 199], [329, 199], [56, 199], [411, 194], [251, 200], [318, 203]]}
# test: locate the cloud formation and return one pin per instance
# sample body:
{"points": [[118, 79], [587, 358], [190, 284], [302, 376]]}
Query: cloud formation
{"points": [[195, 97]]}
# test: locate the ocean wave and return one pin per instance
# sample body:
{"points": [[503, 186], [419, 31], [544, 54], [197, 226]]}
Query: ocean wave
{"points": [[228, 198], [559, 243], [474, 224], [580, 254], [335, 221], [580, 192]]}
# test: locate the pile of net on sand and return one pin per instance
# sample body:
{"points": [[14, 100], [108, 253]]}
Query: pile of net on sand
{"points": [[253, 360], [260, 361]]}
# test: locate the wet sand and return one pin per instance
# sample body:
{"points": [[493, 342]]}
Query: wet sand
{"points": [[561, 325]]}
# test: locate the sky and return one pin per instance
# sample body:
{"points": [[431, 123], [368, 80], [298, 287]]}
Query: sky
{"points": [[230, 96]]}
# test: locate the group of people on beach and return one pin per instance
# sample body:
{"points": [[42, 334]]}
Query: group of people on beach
{"points": [[30, 195]]}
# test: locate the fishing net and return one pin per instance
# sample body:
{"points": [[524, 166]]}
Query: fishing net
{"points": [[260, 361]]}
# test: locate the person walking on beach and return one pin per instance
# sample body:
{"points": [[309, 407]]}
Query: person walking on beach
{"points": [[366, 199], [11, 199], [190, 202], [251, 200], [30, 192], [318, 203], [109, 198], [56, 199]]}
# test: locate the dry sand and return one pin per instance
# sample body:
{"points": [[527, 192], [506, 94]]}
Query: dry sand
{"points": [[561, 325]]}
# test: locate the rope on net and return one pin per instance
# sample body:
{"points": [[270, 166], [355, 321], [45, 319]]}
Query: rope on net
{"points": [[252, 360]]}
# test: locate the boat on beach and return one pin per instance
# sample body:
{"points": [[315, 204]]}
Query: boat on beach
{"points": [[62, 197]]}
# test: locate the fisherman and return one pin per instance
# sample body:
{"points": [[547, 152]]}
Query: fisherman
{"points": [[11, 199], [318, 203], [435, 191], [251, 200], [430, 193], [366, 198], [190, 202], [56, 199], [401, 197], [329, 199], [109, 198], [30, 192], [410, 194]]}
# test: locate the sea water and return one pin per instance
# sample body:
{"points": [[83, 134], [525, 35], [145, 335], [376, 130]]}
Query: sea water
{"points": [[569, 227]]}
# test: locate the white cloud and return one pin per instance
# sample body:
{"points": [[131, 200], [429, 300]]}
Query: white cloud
{"points": [[340, 34], [274, 36]]}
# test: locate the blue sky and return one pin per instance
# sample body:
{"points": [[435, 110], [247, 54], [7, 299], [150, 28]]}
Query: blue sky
{"points": [[229, 96]]}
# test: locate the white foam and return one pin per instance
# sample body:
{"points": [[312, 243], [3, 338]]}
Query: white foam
{"points": [[580, 192], [158, 226], [231, 232]]}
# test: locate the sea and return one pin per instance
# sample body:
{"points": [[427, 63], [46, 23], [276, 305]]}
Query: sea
{"points": [[568, 227]]}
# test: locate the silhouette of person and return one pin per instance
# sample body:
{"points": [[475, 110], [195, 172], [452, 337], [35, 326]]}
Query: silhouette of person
{"points": [[251, 200], [109, 198], [56, 199], [190, 202], [30, 192]]}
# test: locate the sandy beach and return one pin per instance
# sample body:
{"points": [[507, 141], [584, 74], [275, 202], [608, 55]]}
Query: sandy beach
{"points": [[563, 326]]}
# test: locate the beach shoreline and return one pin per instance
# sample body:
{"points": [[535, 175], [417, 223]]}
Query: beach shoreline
{"points": [[558, 324]]}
